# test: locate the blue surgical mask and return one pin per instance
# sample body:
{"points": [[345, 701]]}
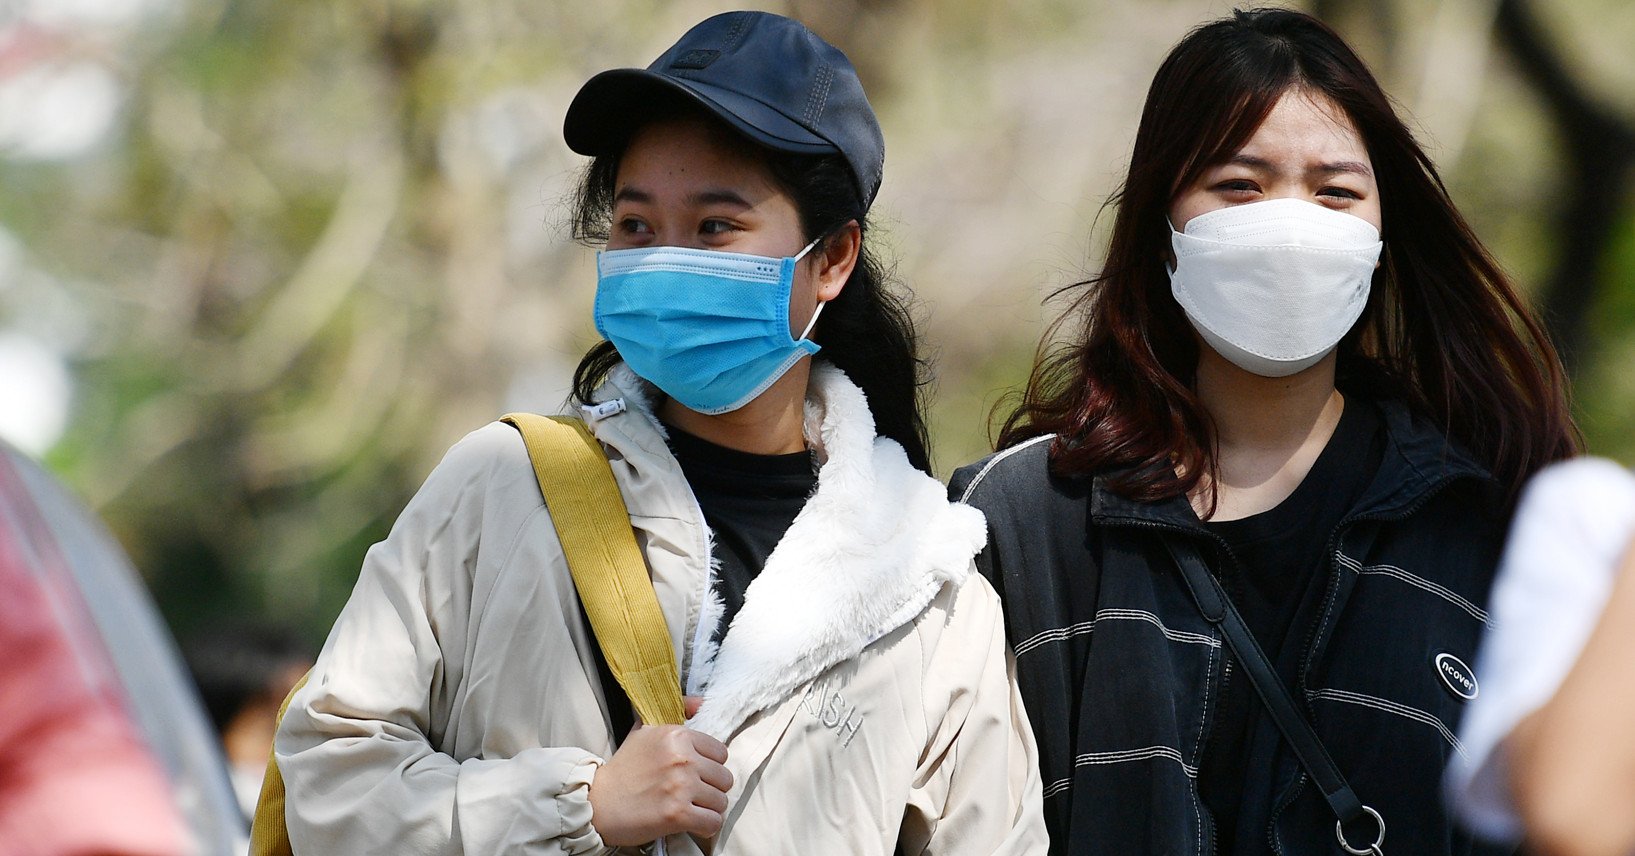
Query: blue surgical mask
{"points": [[710, 329]]}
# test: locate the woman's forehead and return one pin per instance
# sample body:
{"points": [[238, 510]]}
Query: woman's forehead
{"points": [[1309, 119], [689, 151]]}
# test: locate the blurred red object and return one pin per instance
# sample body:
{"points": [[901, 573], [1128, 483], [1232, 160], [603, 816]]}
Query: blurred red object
{"points": [[103, 746]]}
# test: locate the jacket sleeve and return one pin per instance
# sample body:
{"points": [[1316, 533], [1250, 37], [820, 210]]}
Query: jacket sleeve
{"points": [[977, 787], [1571, 528], [358, 746]]}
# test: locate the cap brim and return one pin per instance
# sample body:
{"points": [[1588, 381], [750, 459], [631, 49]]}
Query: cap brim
{"points": [[613, 104]]}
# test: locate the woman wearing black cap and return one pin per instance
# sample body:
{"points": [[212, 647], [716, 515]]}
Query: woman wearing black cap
{"points": [[1300, 388], [848, 670]]}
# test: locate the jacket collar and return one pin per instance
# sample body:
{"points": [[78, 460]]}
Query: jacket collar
{"points": [[1419, 460], [872, 546]]}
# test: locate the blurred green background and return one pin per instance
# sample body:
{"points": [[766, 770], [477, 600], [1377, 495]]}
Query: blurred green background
{"points": [[262, 262]]}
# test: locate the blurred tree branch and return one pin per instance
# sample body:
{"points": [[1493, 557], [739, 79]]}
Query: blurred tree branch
{"points": [[1599, 148]]}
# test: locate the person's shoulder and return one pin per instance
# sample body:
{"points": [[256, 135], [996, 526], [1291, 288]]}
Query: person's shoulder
{"points": [[1423, 446], [1591, 499], [1017, 470], [495, 446], [1425, 469], [1585, 481], [489, 465], [964, 610]]}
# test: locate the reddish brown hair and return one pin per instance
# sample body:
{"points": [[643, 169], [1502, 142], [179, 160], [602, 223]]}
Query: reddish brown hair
{"points": [[1444, 329]]}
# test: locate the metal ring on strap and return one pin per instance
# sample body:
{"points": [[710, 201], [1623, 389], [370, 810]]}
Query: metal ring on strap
{"points": [[1370, 850]]}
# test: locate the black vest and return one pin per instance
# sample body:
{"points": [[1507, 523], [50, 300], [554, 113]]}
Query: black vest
{"points": [[1120, 674]]}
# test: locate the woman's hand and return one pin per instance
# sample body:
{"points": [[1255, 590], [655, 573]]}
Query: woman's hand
{"points": [[664, 779]]}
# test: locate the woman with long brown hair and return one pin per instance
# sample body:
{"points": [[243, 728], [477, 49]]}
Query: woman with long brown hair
{"points": [[1245, 519]]}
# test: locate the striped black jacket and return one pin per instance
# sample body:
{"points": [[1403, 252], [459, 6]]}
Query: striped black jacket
{"points": [[1120, 674]]}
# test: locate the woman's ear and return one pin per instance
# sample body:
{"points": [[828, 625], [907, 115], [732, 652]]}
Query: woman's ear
{"points": [[838, 258]]}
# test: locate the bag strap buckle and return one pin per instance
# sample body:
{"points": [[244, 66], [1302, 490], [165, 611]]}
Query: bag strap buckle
{"points": [[1370, 850]]}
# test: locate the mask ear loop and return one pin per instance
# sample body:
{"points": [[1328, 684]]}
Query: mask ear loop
{"points": [[806, 249], [819, 310], [1170, 266], [813, 323]]}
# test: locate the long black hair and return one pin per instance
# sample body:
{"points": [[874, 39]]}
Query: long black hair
{"points": [[1444, 329], [867, 332]]}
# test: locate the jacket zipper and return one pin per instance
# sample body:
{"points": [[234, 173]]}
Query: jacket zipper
{"points": [[1226, 677], [1204, 818], [694, 642], [1343, 526], [1334, 539]]}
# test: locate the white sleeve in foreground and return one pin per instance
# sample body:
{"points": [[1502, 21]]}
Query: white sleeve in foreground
{"points": [[1572, 526]]}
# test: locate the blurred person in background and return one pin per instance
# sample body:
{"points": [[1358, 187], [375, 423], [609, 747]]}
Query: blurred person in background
{"points": [[1550, 737], [1302, 388], [848, 668], [243, 672]]}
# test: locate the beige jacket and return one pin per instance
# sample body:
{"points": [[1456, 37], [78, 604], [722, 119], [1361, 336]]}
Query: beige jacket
{"points": [[863, 690]]}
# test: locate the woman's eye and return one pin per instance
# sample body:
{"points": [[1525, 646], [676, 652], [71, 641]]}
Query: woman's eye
{"points": [[1339, 193], [633, 226], [1236, 185], [717, 227]]}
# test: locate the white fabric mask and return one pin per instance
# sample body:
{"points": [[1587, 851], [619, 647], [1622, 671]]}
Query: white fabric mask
{"points": [[1273, 286]]}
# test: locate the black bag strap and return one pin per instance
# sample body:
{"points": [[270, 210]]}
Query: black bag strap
{"points": [[1218, 610]]}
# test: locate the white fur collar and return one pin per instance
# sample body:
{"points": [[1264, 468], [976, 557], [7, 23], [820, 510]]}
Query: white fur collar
{"points": [[866, 554]]}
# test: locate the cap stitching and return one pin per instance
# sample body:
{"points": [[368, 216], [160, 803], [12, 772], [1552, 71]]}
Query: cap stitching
{"points": [[739, 24], [818, 98]]}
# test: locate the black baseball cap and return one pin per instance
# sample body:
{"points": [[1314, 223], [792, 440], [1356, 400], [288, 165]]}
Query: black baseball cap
{"points": [[765, 75]]}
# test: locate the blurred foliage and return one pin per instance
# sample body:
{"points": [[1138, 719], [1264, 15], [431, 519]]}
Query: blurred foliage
{"points": [[328, 238]]}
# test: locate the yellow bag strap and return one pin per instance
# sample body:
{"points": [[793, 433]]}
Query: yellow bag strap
{"points": [[268, 834], [608, 571], [608, 568]]}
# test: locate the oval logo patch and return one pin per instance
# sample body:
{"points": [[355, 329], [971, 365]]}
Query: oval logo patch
{"points": [[1456, 676]]}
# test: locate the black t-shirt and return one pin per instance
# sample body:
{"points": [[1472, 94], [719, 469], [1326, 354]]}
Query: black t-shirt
{"points": [[748, 501], [1275, 571]]}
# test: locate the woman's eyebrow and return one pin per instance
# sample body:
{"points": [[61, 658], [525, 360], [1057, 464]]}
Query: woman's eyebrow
{"points": [[1326, 168], [1252, 162], [719, 196], [1356, 167], [713, 196]]}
